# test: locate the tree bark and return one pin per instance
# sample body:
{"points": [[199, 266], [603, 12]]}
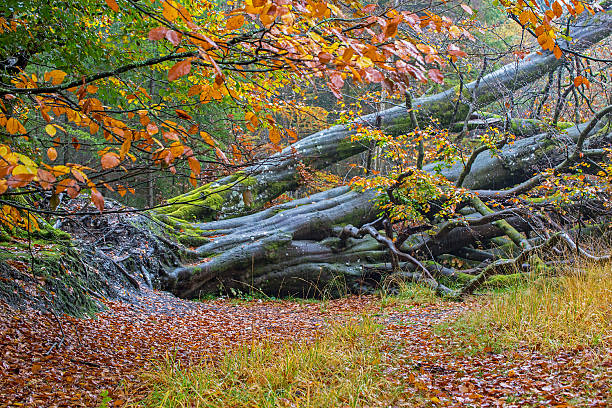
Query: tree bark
{"points": [[295, 249]]}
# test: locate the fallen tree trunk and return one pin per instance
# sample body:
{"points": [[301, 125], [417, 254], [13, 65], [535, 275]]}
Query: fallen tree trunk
{"points": [[299, 248], [268, 179], [296, 249]]}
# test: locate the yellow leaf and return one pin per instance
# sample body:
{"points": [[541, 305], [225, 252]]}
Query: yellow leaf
{"points": [[454, 31], [170, 11], [21, 169], [51, 130]]}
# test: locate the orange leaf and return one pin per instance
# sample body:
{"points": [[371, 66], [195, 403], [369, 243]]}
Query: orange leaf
{"points": [[182, 114], [110, 160], [558, 10], [97, 199], [194, 164], [13, 126], [56, 76], [52, 153], [170, 12], [113, 5], [235, 22], [180, 69], [207, 138], [275, 136]]}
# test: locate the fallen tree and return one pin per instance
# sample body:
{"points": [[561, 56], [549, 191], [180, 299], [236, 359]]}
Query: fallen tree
{"points": [[336, 240]]}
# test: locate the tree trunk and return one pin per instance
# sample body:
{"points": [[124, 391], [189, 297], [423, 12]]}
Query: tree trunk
{"points": [[295, 249]]}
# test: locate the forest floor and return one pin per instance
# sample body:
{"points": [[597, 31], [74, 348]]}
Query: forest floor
{"points": [[49, 361]]}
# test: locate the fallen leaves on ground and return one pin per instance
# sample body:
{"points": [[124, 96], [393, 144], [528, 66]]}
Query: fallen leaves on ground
{"points": [[42, 368]]}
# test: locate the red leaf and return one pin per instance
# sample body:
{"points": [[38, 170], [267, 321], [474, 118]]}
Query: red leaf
{"points": [[157, 33], [97, 199], [436, 75], [180, 69]]}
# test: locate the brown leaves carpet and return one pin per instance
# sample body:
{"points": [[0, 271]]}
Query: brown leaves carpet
{"points": [[41, 367]]}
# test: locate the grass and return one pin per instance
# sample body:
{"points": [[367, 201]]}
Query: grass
{"points": [[345, 367], [571, 310], [407, 294]]}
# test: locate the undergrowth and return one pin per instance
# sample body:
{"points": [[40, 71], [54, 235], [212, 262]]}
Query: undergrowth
{"points": [[345, 367], [573, 309]]}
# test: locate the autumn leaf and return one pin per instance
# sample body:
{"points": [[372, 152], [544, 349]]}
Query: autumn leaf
{"points": [[235, 22], [436, 76], [113, 5], [56, 76], [157, 33], [180, 69], [207, 138], [173, 37], [152, 129], [182, 114], [13, 126], [110, 160], [52, 153], [51, 130], [194, 164], [275, 136], [97, 199], [467, 9], [170, 12]]}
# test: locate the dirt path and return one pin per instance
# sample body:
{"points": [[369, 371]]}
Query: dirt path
{"points": [[40, 367]]}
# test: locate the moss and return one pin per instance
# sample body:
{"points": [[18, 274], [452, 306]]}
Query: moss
{"points": [[193, 240], [55, 278], [504, 281], [564, 125]]}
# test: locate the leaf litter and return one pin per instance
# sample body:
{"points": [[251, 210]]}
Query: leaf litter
{"points": [[61, 361]]}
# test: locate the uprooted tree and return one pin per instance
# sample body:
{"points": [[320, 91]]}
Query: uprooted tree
{"points": [[476, 180]]}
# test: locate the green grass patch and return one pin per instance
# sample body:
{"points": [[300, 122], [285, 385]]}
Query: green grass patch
{"points": [[571, 310], [345, 367]]}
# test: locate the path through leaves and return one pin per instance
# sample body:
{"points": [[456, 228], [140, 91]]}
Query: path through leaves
{"points": [[43, 368]]}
